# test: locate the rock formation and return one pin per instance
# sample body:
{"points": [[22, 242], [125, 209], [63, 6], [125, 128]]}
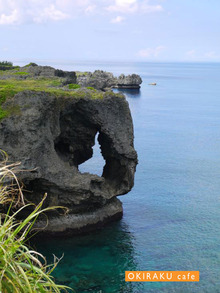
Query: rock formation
{"points": [[100, 80], [129, 82], [52, 136], [48, 71], [35, 71]]}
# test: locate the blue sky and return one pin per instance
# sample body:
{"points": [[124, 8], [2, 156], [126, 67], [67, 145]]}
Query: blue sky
{"points": [[125, 30]]}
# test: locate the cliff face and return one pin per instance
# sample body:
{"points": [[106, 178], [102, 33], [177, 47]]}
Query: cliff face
{"points": [[52, 136]]}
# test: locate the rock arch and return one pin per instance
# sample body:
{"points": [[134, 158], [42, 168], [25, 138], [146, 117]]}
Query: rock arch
{"points": [[52, 136]]}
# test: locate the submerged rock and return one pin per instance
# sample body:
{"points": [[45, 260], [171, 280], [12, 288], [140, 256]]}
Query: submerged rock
{"points": [[53, 135]]}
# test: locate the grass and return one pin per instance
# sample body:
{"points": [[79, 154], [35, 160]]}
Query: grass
{"points": [[91, 88], [56, 83], [22, 270], [6, 91], [21, 73], [3, 113], [11, 86], [73, 86], [81, 73]]}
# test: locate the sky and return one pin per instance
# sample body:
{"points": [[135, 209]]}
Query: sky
{"points": [[110, 30]]}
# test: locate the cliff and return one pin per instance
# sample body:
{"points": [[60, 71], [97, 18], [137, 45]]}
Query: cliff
{"points": [[52, 132]]}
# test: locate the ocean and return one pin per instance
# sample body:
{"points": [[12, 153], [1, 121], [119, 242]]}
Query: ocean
{"points": [[172, 215]]}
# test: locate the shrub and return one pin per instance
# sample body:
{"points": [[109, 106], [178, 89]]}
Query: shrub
{"points": [[31, 64], [91, 88], [6, 63], [21, 269], [73, 86]]}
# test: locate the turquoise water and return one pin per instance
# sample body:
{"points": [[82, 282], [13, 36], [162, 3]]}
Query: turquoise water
{"points": [[172, 216]]}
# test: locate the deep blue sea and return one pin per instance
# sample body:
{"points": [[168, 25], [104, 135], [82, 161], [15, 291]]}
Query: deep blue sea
{"points": [[172, 215]]}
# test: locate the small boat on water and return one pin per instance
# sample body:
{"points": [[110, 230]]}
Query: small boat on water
{"points": [[153, 83]]}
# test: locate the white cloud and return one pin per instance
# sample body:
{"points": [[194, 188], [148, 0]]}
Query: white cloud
{"points": [[50, 13], [151, 52], [132, 6], [11, 18], [21, 11], [117, 19], [125, 2], [124, 6], [146, 8]]}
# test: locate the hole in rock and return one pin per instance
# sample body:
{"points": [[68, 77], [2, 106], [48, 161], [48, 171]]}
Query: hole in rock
{"points": [[96, 164]]}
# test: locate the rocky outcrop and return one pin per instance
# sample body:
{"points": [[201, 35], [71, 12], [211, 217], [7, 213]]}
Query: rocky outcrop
{"points": [[129, 82], [100, 80], [35, 71], [48, 71], [53, 135]]}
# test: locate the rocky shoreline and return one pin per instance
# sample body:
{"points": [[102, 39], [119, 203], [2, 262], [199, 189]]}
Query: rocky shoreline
{"points": [[52, 133], [99, 79]]}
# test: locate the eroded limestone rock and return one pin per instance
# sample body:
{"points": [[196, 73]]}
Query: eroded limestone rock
{"points": [[51, 136], [129, 81], [101, 79], [48, 71]]}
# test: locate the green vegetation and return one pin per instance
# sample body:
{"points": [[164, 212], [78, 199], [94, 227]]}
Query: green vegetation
{"points": [[73, 86], [3, 113], [10, 86], [6, 91], [31, 64], [6, 63], [56, 83], [21, 73], [81, 73], [91, 88], [22, 270]]}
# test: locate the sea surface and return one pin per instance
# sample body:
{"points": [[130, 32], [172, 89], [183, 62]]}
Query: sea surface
{"points": [[172, 215]]}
